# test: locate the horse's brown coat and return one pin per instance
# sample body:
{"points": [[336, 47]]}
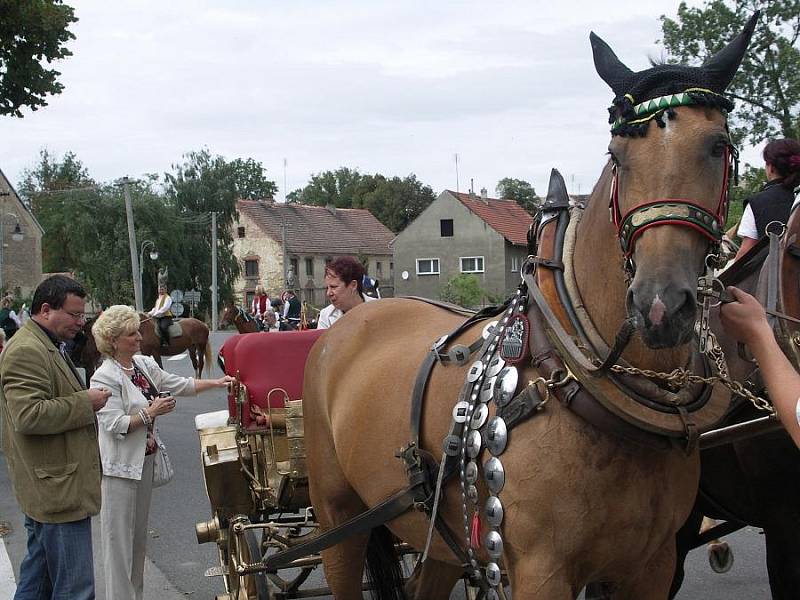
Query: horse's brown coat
{"points": [[581, 505]]}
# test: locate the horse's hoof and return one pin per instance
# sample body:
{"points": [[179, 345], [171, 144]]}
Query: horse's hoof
{"points": [[720, 557]]}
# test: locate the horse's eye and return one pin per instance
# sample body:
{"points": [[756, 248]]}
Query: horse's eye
{"points": [[719, 148]]}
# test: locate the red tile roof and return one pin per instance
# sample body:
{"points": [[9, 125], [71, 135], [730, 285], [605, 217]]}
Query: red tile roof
{"points": [[316, 229], [506, 217]]}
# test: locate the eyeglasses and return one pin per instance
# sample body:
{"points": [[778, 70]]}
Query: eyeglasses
{"points": [[76, 316]]}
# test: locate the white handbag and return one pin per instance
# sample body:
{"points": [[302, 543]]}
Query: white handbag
{"points": [[162, 466]]}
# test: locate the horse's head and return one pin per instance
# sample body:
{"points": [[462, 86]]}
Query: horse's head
{"points": [[229, 313], [671, 158]]}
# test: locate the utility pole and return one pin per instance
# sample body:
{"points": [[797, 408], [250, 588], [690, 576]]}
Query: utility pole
{"points": [[137, 290], [214, 315]]}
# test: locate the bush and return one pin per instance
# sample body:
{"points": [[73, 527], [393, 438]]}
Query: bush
{"points": [[464, 290]]}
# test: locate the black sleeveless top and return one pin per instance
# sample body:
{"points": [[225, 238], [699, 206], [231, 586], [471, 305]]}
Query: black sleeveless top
{"points": [[772, 203]]}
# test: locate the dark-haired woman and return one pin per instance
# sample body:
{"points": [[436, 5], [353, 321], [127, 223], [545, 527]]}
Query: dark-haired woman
{"points": [[344, 288], [774, 201]]}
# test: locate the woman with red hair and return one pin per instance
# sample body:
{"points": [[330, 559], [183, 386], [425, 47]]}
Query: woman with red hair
{"points": [[344, 288]]}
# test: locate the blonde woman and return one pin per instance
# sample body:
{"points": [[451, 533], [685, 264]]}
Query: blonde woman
{"points": [[128, 441]]}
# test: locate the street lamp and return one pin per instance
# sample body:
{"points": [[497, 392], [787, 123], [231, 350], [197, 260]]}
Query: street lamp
{"points": [[153, 256], [16, 235]]}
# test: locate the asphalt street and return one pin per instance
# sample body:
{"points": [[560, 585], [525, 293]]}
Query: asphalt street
{"points": [[176, 563]]}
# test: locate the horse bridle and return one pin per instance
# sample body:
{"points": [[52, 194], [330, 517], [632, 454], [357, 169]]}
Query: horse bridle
{"points": [[681, 212]]}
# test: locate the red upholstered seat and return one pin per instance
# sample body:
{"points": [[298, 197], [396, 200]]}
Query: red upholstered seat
{"points": [[265, 361]]}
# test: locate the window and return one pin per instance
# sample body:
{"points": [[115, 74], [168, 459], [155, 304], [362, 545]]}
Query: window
{"points": [[240, 232], [472, 264], [293, 266], [248, 299], [251, 267], [379, 269], [515, 264], [446, 226], [427, 266], [309, 267]]}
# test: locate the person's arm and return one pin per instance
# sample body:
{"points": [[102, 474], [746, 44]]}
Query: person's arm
{"points": [[746, 320], [27, 387], [747, 231], [162, 307], [201, 385]]}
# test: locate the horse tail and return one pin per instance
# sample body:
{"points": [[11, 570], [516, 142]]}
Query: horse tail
{"points": [[383, 568], [208, 355]]}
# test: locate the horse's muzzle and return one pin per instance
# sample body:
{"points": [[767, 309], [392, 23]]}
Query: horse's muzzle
{"points": [[665, 317]]}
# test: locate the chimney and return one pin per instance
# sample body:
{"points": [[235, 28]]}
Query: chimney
{"points": [[331, 209], [484, 195], [267, 200]]}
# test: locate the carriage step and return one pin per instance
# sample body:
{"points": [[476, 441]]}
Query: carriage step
{"points": [[218, 571]]}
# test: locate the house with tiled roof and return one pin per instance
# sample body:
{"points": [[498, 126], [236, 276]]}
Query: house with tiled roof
{"points": [[462, 233], [286, 245]]}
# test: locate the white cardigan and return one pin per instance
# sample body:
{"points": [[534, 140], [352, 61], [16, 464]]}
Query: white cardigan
{"points": [[122, 452]]}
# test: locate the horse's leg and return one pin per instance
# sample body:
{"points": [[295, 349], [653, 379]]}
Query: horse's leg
{"points": [[685, 539], [335, 502], [192, 350], [651, 581], [432, 580], [720, 556], [783, 558]]}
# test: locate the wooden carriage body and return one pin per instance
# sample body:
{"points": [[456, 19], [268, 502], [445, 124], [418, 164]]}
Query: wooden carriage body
{"points": [[253, 457]]}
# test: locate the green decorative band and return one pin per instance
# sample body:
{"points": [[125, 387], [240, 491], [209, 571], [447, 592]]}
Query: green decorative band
{"points": [[650, 109], [666, 213]]}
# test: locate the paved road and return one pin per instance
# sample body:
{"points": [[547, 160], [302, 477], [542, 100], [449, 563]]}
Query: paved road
{"points": [[176, 562]]}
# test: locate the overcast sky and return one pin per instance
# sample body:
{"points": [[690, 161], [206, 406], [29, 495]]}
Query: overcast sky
{"points": [[382, 87]]}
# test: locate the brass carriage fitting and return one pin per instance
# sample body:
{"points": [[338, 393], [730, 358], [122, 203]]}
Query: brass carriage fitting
{"points": [[207, 531]]}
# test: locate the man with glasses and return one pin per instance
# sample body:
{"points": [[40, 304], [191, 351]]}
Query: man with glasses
{"points": [[50, 441]]}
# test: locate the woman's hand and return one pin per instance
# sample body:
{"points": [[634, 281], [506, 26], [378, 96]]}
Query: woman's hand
{"points": [[745, 319], [161, 406], [224, 381]]}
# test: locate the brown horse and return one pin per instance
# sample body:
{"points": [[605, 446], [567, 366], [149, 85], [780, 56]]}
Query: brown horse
{"points": [[233, 315], [194, 340], [581, 505]]}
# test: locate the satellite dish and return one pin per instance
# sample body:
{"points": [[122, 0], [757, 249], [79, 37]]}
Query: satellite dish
{"points": [[404, 275], [177, 309], [176, 295]]}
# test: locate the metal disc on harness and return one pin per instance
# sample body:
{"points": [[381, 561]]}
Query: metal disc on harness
{"points": [[471, 472], [491, 594], [494, 544], [496, 435], [494, 511], [493, 574], [452, 444], [475, 371], [460, 411], [494, 474], [487, 389], [473, 443], [479, 416], [494, 366], [505, 386]]}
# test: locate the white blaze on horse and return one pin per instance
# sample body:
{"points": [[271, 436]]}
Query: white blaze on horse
{"points": [[601, 467]]}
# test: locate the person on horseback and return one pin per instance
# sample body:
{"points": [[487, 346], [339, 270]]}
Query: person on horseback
{"points": [[163, 314]]}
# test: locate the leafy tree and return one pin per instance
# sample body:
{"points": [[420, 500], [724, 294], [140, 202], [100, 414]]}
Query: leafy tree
{"points": [[251, 180], [31, 31], [463, 289], [520, 191], [200, 185], [395, 202], [767, 85]]}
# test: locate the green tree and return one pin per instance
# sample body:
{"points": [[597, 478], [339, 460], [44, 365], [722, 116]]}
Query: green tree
{"points": [[463, 289], [395, 202], [251, 181], [520, 191], [203, 184], [31, 31], [767, 86]]}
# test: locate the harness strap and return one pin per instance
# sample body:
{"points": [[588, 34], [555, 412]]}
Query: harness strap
{"points": [[379, 514]]}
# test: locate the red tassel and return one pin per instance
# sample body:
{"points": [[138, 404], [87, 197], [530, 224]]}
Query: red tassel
{"points": [[475, 531]]}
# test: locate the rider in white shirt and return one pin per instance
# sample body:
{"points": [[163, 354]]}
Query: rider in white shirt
{"points": [[163, 314]]}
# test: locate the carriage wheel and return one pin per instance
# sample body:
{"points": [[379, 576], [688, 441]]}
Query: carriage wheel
{"points": [[292, 584], [720, 557], [243, 548]]}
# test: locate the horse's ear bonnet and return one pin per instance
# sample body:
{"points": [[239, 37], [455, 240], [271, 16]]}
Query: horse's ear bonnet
{"points": [[705, 84]]}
